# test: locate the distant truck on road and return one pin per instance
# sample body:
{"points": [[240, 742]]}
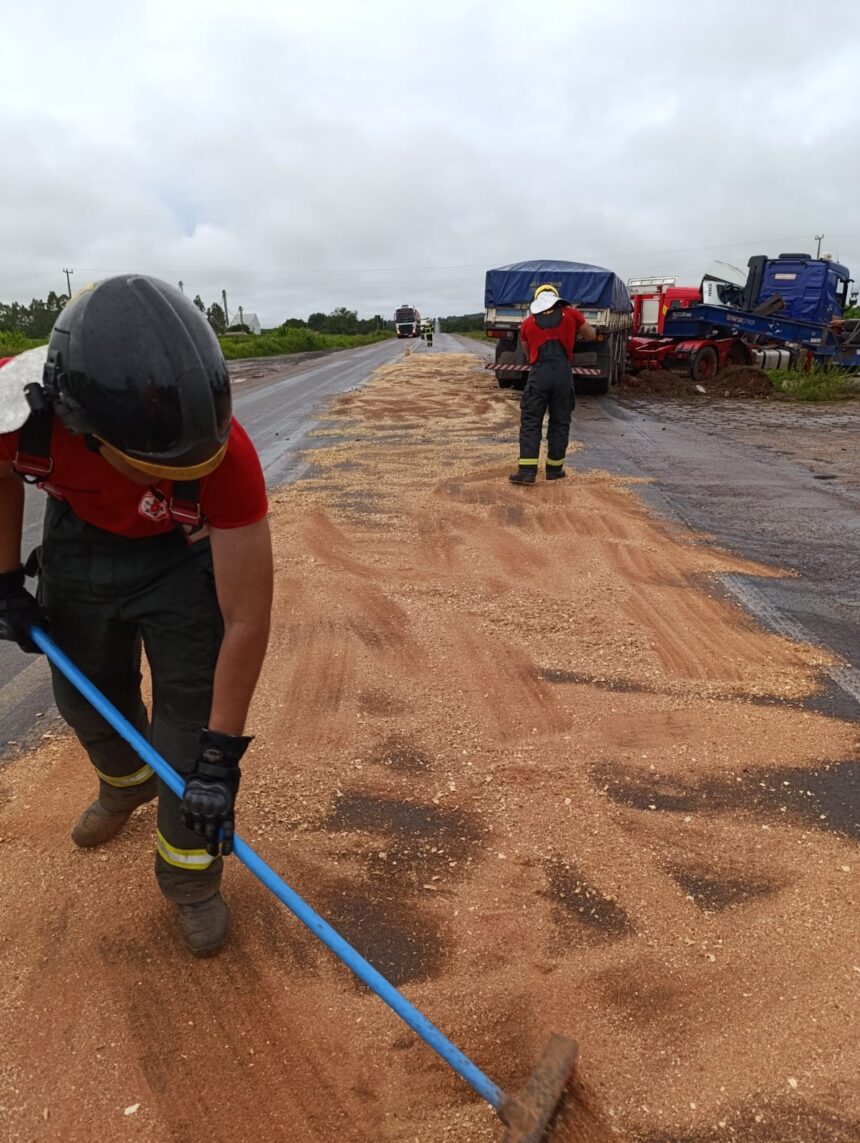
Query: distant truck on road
{"points": [[407, 321], [599, 294]]}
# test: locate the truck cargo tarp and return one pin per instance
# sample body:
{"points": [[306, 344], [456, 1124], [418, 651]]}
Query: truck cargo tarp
{"points": [[577, 282]]}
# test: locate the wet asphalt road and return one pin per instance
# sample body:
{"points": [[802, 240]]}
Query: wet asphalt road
{"points": [[279, 413], [752, 499]]}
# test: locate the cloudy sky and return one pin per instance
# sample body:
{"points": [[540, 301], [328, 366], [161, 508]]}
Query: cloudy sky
{"points": [[306, 155]]}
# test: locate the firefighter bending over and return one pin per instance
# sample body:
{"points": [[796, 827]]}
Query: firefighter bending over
{"points": [[548, 336]]}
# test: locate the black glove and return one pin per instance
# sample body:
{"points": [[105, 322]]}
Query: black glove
{"points": [[18, 611], [210, 792]]}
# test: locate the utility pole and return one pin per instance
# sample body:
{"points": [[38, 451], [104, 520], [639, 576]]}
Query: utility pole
{"points": [[68, 280], [818, 238], [224, 300], [241, 316], [181, 290]]}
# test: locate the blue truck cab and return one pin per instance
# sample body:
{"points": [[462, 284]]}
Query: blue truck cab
{"points": [[811, 289], [794, 301]]}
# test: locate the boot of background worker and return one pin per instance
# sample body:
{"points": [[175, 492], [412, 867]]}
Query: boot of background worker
{"points": [[525, 474]]}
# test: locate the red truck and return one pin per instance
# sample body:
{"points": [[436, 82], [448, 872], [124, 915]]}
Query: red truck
{"points": [[654, 298]]}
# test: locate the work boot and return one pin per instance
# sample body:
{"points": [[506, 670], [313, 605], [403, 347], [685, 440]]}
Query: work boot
{"points": [[204, 925], [525, 474], [109, 813], [555, 473]]}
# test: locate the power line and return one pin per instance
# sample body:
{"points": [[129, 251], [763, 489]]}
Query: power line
{"points": [[463, 266]]}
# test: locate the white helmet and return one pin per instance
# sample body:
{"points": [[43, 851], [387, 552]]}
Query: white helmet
{"points": [[545, 298]]}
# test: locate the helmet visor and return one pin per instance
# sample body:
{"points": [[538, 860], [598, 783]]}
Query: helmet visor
{"points": [[152, 423]]}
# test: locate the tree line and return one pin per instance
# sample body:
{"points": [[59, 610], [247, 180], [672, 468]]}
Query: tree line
{"points": [[462, 323], [36, 320]]}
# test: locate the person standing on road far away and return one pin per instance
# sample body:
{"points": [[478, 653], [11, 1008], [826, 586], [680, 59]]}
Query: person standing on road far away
{"points": [[156, 535], [548, 335]]}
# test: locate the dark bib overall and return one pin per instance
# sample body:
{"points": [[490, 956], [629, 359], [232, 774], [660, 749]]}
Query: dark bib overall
{"points": [[108, 599], [549, 387]]}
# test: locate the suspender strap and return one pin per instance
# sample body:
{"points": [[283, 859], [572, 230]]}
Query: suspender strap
{"points": [[184, 504], [32, 461], [33, 464]]}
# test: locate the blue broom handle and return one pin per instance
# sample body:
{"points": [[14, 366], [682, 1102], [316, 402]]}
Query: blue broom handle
{"points": [[365, 971]]}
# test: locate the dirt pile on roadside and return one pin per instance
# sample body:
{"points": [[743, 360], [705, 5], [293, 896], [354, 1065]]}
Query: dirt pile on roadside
{"points": [[733, 381], [743, 381], [517, 747]]}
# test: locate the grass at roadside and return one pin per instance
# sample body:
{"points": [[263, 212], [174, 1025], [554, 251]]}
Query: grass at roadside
{"points": [[478, 335], [12, 343], [817, 385], [294, 341], [234, 348]]}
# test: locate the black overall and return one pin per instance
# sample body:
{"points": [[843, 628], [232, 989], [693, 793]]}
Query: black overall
{"points": [[549, 387], [107, 598]]}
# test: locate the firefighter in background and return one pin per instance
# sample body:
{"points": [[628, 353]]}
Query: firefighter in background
{"points": [[156, 537], [548, 335]]}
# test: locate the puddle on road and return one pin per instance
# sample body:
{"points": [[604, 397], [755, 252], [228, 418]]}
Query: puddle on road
{"points": [[417, 844], [372, 701], [401, 755], [828, 699], [827, 798], [457, 830], [581, 909], [396, 937], [713, 893]]}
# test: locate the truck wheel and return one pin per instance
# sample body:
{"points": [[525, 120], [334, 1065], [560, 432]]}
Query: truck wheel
{"points": [[510, 378], [704, 364], [600, 386]]}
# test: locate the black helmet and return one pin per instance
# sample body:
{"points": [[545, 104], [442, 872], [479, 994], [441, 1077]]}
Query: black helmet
{"points": [[133, 363]]}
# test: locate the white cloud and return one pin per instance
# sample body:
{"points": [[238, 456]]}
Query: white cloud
{"points": [[304, 157]]}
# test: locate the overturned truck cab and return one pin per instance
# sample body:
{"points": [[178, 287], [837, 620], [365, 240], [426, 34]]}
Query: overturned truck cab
{"points": [[599, 294]]}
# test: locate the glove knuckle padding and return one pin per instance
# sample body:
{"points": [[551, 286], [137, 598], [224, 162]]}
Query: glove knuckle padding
{"points": [[210, 792]]}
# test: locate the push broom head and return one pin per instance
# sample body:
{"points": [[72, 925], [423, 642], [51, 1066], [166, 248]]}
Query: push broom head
{"points": [[528, 1116]]}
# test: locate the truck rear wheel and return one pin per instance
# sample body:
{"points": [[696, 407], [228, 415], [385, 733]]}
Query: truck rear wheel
{"points": [[704, 364], [614, 366], [600, 386], [509, 378]]}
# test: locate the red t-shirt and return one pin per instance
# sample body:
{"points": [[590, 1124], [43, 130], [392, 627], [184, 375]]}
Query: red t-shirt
{"points": [[232, 496], [533, 336]]}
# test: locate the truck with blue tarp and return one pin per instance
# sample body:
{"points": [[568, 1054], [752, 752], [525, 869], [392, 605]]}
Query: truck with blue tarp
{"points": [[599, 294], [788, 313]]}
